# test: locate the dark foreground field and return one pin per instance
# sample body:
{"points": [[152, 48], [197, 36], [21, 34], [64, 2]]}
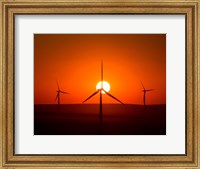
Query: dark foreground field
{"points": [[83, 119]]}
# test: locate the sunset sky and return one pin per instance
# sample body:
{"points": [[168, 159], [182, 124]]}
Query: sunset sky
{"points": [[74, 60]]}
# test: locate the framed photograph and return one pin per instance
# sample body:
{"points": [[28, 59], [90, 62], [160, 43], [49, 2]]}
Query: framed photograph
{"points": [[99, 84]]}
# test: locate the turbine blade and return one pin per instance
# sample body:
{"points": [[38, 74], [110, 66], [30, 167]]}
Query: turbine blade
{"points": [[64, 92], [142, 85], [58, 85], [56, 97], [112, 96], [101, 74], [91, 96]]}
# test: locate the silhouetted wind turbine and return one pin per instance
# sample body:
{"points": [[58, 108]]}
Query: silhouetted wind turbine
{"points": [[58, 96], [145, 90], [100, 92]]}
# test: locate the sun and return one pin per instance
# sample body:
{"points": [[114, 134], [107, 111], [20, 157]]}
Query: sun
{"points": [[106, 86]]}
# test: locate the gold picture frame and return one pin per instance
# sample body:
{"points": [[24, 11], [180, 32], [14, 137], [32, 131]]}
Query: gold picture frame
{"points": [[9, 8]]}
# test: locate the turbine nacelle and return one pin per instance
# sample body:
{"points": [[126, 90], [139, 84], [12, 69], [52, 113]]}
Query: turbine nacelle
{"points": [[101, 91], [148, 90]]}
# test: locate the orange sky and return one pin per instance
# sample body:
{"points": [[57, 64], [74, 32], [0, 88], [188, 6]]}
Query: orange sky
{"points": [[74, 60]]}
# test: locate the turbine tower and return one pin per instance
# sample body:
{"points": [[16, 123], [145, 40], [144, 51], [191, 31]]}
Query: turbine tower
{"points": [[100, 92], [145, 90], [58, 96]]}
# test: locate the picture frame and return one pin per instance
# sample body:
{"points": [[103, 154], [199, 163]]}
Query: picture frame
{"points": [[8, 158]]}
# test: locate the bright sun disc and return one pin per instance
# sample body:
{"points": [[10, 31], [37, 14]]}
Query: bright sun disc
{"points": [[106, 86]]}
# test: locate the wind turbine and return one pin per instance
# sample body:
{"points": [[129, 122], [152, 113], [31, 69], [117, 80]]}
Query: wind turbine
{"points": [[145, 90], [58, 96], [100, 92]]}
